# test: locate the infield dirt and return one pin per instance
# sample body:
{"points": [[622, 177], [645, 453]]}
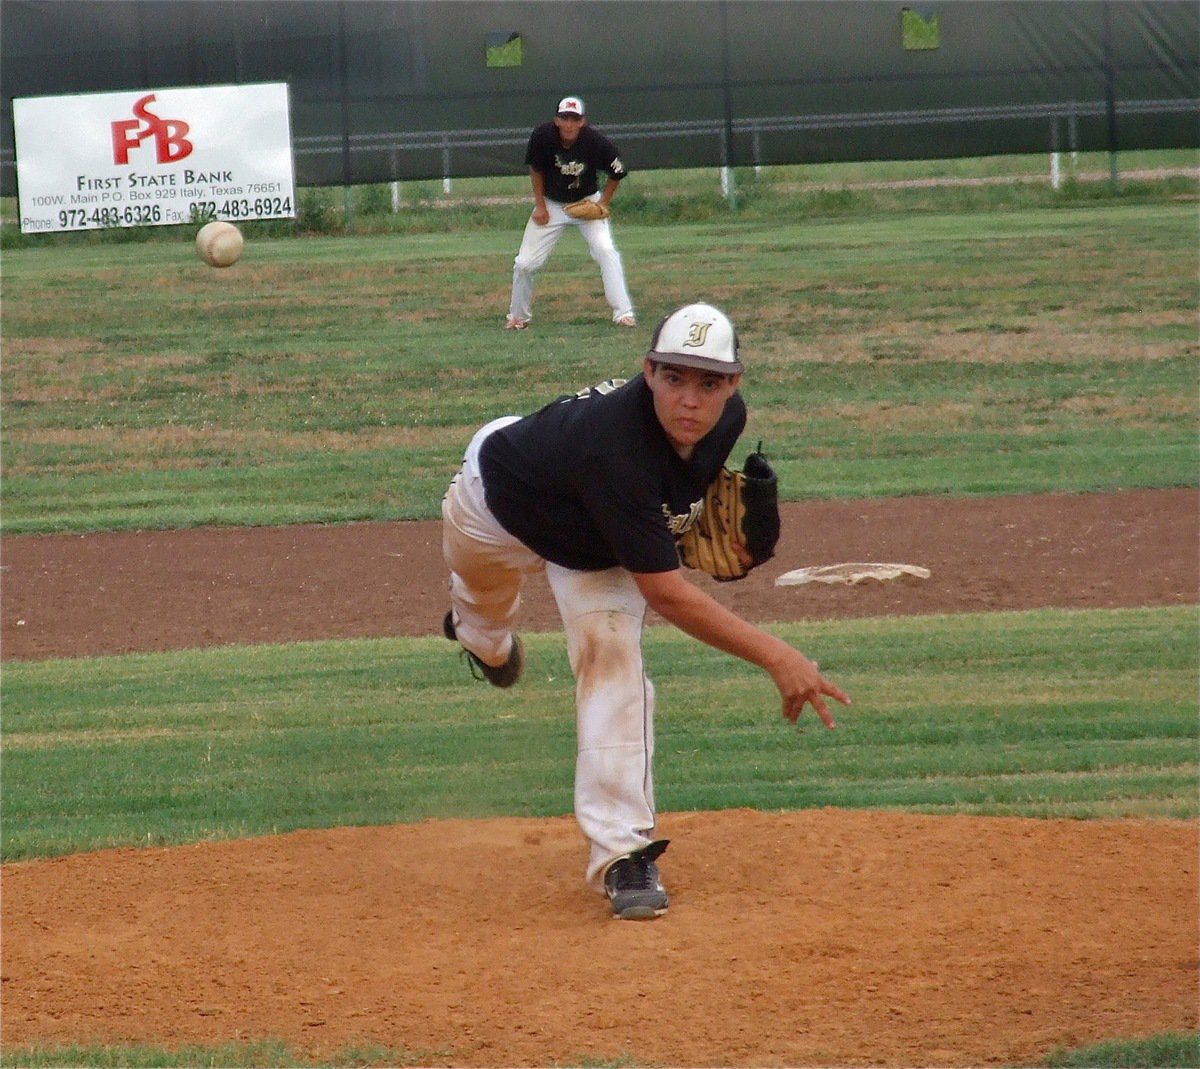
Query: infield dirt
{"points": [[822, 937]]}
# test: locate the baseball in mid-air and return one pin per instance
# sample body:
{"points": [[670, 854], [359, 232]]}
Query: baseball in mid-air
{"points": [[219, 243]]}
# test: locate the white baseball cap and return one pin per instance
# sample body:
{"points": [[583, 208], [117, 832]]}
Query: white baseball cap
{"points": [[570, 106], [699, 336]]}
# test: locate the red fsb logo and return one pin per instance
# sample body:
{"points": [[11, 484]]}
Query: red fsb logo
{"points": [[170, 135]]}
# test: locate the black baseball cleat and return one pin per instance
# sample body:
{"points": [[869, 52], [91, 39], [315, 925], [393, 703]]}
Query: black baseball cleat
{"points": [[503, 675], [634, 886]]}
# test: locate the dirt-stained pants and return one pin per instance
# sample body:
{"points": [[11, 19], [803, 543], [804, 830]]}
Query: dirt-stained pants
{"points": [[603, 615]]}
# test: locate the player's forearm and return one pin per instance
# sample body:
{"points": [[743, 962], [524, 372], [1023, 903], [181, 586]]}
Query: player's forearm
{"points": [[704, 618], [538, 182]]}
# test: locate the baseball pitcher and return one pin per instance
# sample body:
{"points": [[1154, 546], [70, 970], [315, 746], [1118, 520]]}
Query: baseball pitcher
{"points": [[601, 490]]}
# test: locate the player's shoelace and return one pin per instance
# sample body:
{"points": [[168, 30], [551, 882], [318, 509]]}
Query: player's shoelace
{"points": [[637, 874]]}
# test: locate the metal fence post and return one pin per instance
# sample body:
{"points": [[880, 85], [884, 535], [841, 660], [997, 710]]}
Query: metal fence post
{"points": [[1055, 173], [728, 180], [728, 187], [1110, 97]]}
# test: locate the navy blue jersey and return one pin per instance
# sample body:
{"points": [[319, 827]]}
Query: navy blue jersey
{"points": [[570, 173], [591, 482]]}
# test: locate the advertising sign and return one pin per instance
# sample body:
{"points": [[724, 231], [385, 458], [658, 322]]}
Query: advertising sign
{"points": [[154, 157]]}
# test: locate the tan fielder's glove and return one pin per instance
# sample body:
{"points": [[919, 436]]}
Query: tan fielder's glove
{"points": [[739, 506], [587, 209]]}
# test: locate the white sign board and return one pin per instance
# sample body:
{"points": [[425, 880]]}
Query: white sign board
{"points": [[154, 157]]}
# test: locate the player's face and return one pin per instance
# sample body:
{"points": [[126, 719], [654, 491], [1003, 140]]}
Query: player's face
{"points": [[688, 401], [569, 127]]}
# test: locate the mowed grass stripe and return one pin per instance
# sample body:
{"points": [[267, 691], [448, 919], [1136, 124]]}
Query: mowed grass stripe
{"points": [[1043, 713]]}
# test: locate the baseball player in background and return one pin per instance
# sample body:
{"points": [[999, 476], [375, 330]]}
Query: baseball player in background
{"points": [[594, 489], [563, 157]]}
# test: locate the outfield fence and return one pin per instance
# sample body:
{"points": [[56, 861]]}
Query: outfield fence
{"points": [[392, 155]]}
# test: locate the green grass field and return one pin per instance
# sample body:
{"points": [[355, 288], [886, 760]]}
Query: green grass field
{"points": [[965, 341], [337, 378], [1163, 1052], [1049, 714]]}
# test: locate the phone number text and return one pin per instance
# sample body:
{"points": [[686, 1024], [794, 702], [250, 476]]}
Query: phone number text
{"points": [[148, 214]]}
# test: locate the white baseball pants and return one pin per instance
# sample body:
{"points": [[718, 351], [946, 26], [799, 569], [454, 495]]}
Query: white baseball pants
{"points": [[603, 615], [538, 242]]}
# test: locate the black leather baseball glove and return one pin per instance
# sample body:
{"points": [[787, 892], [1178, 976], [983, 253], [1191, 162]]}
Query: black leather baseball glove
{"points": [[739, 507]]}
